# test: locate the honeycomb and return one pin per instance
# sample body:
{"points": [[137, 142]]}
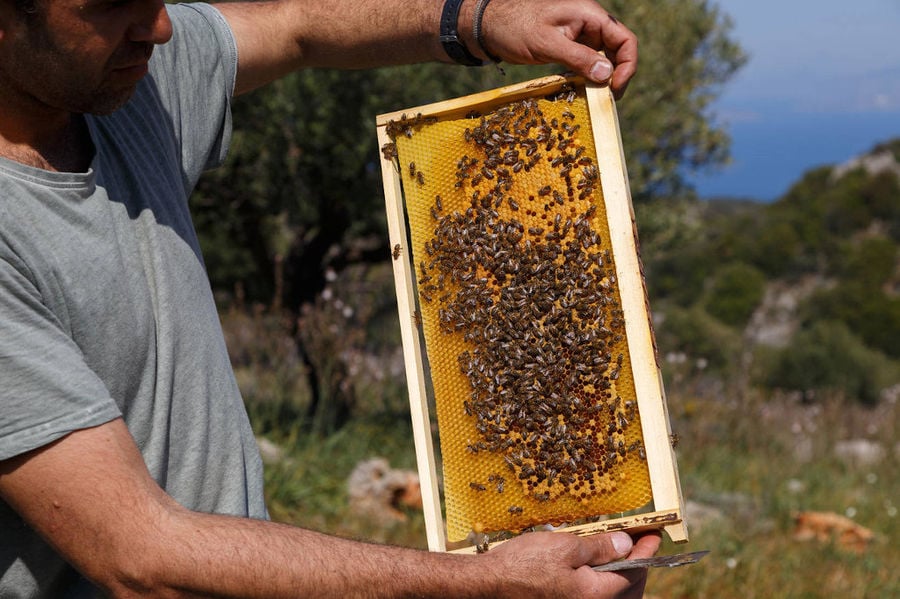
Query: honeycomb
{"points": [[521, 316]]}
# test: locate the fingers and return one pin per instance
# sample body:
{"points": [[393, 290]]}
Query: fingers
{"points": [[630, 583], [578, 50], [604, 548], [646, 545], [567, 32]]}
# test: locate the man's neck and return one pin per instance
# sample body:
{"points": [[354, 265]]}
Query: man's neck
{"points": [[62, 144]]}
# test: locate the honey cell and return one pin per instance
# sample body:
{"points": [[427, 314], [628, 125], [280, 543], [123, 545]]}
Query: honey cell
{"points": [[521, 316]]}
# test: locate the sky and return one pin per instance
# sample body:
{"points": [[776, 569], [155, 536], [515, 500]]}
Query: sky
{"points": [[822, 85]]}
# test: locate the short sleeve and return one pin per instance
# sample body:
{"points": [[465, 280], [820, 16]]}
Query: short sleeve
{"points": [[47, 390], [195, 73]]}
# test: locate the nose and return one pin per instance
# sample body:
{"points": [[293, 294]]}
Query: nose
{"points": [[151, 23]]}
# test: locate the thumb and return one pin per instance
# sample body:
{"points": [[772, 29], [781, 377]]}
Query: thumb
{"points": [[585, 61], [602, 549], [600, 70]]}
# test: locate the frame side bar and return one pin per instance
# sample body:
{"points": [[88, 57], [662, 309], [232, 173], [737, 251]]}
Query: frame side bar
{"points": [[664, 482], [412, 354]]}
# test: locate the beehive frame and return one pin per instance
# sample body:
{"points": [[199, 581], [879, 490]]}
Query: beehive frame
{"points": [[667, 504]]}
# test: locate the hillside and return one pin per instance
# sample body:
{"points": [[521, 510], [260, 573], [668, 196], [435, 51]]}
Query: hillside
{"points": [[775, 295]]}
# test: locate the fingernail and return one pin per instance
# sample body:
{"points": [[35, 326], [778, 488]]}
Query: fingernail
{"points": [[602, 70], [622, 543]]}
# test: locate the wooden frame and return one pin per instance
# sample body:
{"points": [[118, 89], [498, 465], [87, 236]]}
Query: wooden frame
{"points": [[667, 501]]}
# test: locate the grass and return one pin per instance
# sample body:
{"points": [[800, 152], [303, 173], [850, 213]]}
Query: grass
{"points": [[308, 487], [758, 463]]}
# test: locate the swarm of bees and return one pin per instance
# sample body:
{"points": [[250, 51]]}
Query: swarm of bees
{"points": [[519, 271]]}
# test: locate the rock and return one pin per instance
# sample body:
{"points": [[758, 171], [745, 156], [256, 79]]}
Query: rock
{"points": [[698, 515], [270, 452], [873, 163], [827, 526], [859, 452], [378, 492]]}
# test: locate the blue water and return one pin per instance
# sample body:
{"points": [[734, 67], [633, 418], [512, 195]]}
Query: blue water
{"points": [[772, 154]]}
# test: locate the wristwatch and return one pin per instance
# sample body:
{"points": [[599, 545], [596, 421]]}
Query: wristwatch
{"points": [[453, 46]]}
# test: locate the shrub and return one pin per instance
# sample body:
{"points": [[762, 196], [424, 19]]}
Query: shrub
{"points": [[694, 333], [735, 293], [829, 357]]}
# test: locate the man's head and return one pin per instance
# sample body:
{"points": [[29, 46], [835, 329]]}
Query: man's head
{"points": [[79, 56]]}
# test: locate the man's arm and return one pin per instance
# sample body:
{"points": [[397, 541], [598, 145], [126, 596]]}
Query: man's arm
{"points": [[279, 36], [90, 495]]}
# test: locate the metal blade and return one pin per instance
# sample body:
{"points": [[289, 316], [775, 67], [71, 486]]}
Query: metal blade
{"points": [[668, 561]]}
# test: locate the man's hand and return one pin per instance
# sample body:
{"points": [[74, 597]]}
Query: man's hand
{"points": [[553, 564], [567, 32]]}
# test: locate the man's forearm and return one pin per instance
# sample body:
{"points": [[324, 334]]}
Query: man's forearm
{"points": [[201, 554], [280, 36], [235, 557]]}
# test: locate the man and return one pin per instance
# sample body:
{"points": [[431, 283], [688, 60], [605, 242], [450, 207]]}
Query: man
{"points": [[127, 465]]}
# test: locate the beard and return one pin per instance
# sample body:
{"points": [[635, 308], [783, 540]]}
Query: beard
{"points": [[103, 91], [46, 73]]}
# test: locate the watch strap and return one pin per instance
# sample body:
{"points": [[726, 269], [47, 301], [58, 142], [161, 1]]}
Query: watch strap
{"points": [[453, 46]]}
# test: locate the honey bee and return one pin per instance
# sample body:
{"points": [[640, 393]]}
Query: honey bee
{"points": [[389, 150], [542, 497], [396, 251]]}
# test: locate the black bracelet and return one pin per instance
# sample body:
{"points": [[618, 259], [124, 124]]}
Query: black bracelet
{"points": [[453, 46], [477, 31]]}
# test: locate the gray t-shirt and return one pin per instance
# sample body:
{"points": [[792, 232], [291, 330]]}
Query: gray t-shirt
{"points": [[105, 306]]}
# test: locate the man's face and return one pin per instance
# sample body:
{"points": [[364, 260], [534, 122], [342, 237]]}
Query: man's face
{"points": [[81, 56]]}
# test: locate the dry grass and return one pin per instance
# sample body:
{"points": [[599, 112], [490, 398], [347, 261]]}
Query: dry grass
{"points": [[753, 465]]}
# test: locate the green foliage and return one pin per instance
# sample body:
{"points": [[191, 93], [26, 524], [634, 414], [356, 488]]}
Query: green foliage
{"points": [[736, 291], [866, 310], [834, 230], [271, 374], [308, 487], [696, 334], [680, 277], [806, 230], [859, 198], [829, 357], [745, 474], [870, 262]]}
